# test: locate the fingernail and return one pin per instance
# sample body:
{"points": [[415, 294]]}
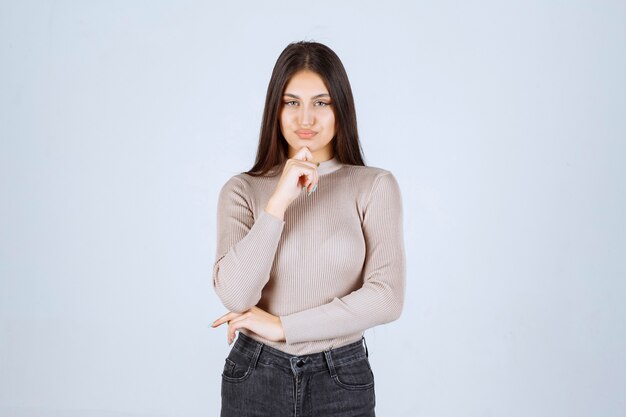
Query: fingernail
{"points": [[313, 189]]}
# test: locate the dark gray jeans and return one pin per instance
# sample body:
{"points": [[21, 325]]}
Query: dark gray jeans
{"points": [[261, 381]]}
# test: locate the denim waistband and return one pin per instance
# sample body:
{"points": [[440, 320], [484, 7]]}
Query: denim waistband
{"points": [[310, 363]]}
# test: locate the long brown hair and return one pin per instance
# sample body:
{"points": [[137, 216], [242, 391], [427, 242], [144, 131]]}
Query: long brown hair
{"points": [[319, 58]]}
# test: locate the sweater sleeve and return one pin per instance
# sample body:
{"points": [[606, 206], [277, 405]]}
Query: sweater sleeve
{"points": [[380, 300], [245, 248]]}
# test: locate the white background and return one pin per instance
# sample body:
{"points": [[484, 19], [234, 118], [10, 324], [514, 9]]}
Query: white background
{"points": [[504, 123]]}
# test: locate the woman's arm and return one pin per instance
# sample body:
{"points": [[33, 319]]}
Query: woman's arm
{"points": [[245, 248], [381, 298]]}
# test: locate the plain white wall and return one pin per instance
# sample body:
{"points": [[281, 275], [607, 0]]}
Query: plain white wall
{"points": [[504, 123]]}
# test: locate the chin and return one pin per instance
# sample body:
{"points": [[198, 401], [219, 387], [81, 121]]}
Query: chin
{"points": [[299, 143]]}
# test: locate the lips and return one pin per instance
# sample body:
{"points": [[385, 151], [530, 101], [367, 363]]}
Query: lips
{"points": [[305, 133]]}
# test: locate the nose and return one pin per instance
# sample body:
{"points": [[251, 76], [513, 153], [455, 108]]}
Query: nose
{"points": [[307, 117]]}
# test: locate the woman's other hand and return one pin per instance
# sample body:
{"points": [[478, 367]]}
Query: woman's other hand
{"points": [[259, 321], [298, 173]]}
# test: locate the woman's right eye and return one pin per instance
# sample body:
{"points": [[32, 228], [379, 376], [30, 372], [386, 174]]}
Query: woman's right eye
{"points": [[290, 103]]}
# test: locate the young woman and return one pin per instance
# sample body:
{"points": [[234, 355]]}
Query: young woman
{"points": [[310, 251]]}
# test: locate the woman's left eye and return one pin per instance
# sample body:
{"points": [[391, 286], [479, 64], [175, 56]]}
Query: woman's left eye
{"points": [[322, 104]]}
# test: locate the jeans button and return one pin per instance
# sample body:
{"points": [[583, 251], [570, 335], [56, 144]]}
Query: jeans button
{"points": [[299, 363]]}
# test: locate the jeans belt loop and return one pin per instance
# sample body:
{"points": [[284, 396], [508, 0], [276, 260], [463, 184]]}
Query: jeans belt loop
{"points": [[366, 352]]}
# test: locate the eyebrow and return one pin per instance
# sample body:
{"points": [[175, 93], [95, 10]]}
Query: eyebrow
{"points": [[317, 96]]}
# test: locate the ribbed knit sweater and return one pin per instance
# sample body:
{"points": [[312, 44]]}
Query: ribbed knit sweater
{"points": [[334, 267]]}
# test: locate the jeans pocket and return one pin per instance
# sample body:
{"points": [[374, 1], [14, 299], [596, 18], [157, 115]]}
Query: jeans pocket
{"points": [[237, 366], [355, 375]]}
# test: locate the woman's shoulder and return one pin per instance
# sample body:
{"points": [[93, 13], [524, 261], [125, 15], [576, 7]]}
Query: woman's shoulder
{"points": [[369, 181], [245, 182], [367, 173]]}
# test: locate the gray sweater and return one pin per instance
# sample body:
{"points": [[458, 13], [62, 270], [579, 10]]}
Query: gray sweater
{"points": [[334, 267]]}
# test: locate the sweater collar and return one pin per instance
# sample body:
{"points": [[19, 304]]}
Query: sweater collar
{"points": [[328, 166]]}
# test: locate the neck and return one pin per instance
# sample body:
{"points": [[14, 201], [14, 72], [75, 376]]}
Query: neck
{"points": [[328, 166], [321, 155]]}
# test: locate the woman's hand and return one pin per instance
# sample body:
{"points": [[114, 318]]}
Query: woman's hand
{"points": [[298, 173], [259, 321]]}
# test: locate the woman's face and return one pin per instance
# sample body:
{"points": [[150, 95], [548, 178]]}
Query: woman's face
{"points": [[307, 117]]}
